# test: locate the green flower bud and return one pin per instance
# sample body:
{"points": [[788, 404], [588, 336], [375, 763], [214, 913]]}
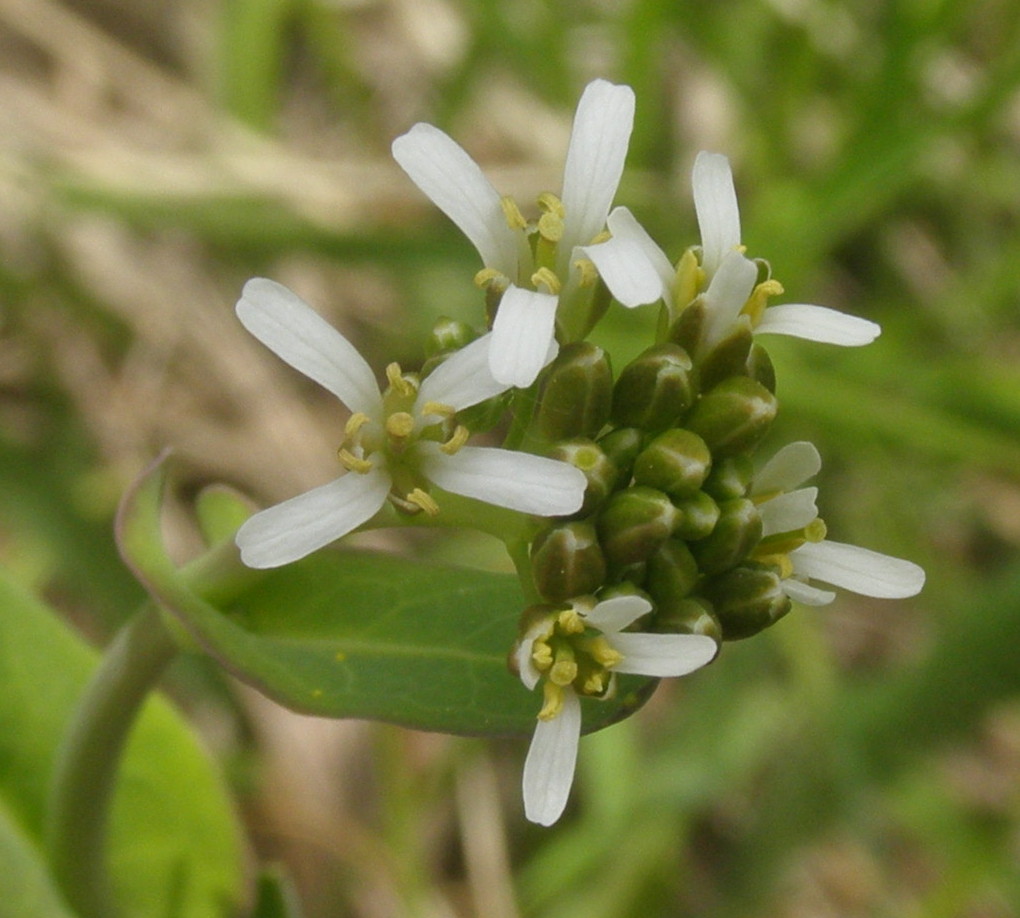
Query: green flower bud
{"points": [[634, 522], [622, 447], [689, 616], [485, 415], [747, 600], [734, 416], [672, 572], [600, 471], [728, 357], [734, 537], [699, 514], [759, 367], [567, 561], [730, 477], [448, 335], [576, 393], [656, 389], [685, 330], [676, 462]]}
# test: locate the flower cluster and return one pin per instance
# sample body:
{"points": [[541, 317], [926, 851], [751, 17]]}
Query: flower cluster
{"points": [[654, 533]]}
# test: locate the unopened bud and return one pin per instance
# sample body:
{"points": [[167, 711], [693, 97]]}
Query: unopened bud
{"points": [[576, 394], [448, 335], [729, 356], [635, 522], [759, 367], [698, 516], [622, 446], [730, 477], [598, 469], [676, 462], [747, 600], [689, 616], [734, 416], [567, 561], [685, 330], [738, 531], [672, 572], [656, 389]]}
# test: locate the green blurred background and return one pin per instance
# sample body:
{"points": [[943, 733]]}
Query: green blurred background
{"points": [[862, 759]]}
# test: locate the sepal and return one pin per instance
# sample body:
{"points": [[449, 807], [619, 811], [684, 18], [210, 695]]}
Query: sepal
{"points": [[634, 523], [734, 416], [677, 462], [576, 393], [735, 535], [656, 389], [747, 599], [567, 561], [598, 468]]}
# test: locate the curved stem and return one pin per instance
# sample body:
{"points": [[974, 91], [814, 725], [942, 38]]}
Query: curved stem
{"points": [[87, 761]]}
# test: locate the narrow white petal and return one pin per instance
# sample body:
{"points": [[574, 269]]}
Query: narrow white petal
{"points": [[463, 379], [807, 595], [786, 512], [518, 481], [296, 333], [526, 668], [297, 527], [549, 767], [623, 223], [663, 654], [453, 181], [715, 202], [612, 615], [858, 569], [521, 335], [595, 157], [626, 270], [726, 295], [794, 464], [818, 323]]}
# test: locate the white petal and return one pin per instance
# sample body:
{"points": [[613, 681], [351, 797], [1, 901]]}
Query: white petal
{"points": [[518, 481], [808, 595], [622, 222], [817, 323], [453, 181], [549, 767], [715, 202], [662, 654], [595, 157], [726, 295], [526, 668], [295, 332], [521, 335], [794, 464], [626, 270], [463, 379], [297, 527], [786, 512], [612, 615], [858, 569]]}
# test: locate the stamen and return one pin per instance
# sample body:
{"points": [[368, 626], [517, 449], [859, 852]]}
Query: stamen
{"points": [[355, 422], [425, 501], [570, 621], [550, 204], [456, 441], [514, 218], [552, 701], [602, 652], [589, 273], [541, 655], [816, 530], [758, 300], [491, 277], [603, 236], [544, 277], [595, 684], [550, 227], [564, 670], [438, 409], [352, 463], [689, 279], [400, 425], [400, 384], [781, 562]]}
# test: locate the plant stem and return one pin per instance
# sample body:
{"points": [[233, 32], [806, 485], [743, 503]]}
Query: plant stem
{"points": [[87, 761]]}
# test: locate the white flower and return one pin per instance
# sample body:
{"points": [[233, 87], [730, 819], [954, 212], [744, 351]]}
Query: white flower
{"points": [[730, 276], [549, 767], [787, 508], [394, 445], [524, 327]]}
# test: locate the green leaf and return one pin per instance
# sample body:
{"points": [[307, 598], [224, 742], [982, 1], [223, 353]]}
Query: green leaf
{"points": [[28, 890], [173, 838], [359, 634]]}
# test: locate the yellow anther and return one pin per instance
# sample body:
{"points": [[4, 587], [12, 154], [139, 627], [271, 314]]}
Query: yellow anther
{"points": [[588, 271], [816, 530], [398, 382], [491, 277], [514, 218], [355, 422], [551, 204], [400, 425], [603, 236], [353, 463], [550, 227], [595, 684], [425, 501], [570, 621], [602, 652], [541, 655], [563, 672], [552, 701], [544, 277], [781, 562], [689, 279], [456, 441], [758, 300], [437, 409]]}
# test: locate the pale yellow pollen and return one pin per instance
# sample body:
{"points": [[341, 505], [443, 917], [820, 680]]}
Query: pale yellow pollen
{"points": [[551, 204], [816, 530], [355, 422], [438, 409], [490, 276], [589, 273], [544, 277], [425, 501], [563, 672], [570, 621], [595, 684], [514, 218], [758, 300], [541, 655], [353, 463], [552, 701], [456, 441], [398, 381], [550, 227], [400, 425], [602, 652], [688, 280]]}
